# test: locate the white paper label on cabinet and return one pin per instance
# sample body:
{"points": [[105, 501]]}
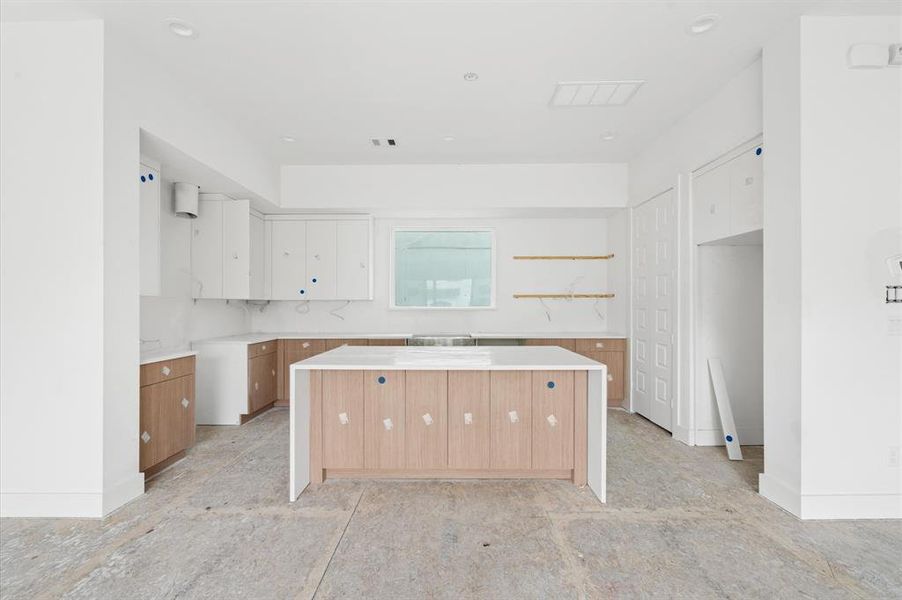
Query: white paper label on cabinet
{"points": [[387, 424], [166, 371], [256, 386], [145, 437], [427, 418], [599, 344], [468, 418], [305, 345], [273, 372], [343, 418], [610, 377], [513, 416], [263, 347], [185, 402], [552, 420]]}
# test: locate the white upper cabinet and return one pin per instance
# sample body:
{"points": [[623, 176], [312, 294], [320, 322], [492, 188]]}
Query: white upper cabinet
{"points": [[257, 258], [206, 250], [321, 251], [746, 193], [236, 244], [289, 260], [711, 205], [149, 231], [728, 199], [353, 260]]}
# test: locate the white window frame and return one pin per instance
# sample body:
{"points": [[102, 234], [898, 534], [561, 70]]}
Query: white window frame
{"points": [[391, 261]]}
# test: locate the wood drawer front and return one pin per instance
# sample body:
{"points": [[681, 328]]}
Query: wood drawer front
{"points": [[616, 373], [332, 344], [565, 343], [261, 348], [469, 420], [292, 351], [426, 399], [342, 419], [166, 420], [384, 410], [600, 345], [511, 407], [552, 419], [400, 342], [261, 381], [166, 370]]}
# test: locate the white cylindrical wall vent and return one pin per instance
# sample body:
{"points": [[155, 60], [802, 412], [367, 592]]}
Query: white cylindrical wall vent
{"points": [[185, 199]]}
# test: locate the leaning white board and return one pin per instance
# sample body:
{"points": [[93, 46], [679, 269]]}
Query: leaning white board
{"points": [[730, 437]]}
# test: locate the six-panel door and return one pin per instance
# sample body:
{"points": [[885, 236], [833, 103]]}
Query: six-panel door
{"points": [[552, 419], [343, 418], [426, 398], [384, 419]]}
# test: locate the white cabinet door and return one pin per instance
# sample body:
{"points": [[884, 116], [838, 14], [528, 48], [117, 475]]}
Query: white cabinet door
{"points": [[711, 205], [353, 260], [257, 258], [321, 260], [149, 231], [746, 192], [206, 250], [289, 263], [236, 260]]}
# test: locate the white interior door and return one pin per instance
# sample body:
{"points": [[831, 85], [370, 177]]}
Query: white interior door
{"points": [[654, 308]]}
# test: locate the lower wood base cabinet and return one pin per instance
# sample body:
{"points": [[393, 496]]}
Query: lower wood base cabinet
{"points": [[166, 412], [448, 423]]}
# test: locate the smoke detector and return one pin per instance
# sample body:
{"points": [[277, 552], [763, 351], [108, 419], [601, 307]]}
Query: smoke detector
{"points": [[594, 93]]}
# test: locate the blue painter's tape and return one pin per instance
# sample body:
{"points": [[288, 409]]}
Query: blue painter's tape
{"points": [[313, 280], [301, 291], [381, 379], [550, 385], [758, 151], [143, 179], [150, 176], [729, 438]]}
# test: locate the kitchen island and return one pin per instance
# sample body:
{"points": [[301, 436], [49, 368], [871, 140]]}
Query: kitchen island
{"points": [[448, 413]]}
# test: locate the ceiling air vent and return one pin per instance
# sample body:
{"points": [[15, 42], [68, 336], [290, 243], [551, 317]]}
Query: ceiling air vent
{"points": [[383, 141], [594, 93]]}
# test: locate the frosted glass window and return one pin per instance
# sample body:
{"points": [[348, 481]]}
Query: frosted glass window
{"points": [[443, 268]]}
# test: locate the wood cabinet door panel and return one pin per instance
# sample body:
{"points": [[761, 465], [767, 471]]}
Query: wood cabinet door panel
{"points": [[616, 374], [183, 419], [149, 435], [426, 398], [469, 420], [292, 351], [567, 344], [511, 407], [552, 419], [343, 418], [384, 419]]}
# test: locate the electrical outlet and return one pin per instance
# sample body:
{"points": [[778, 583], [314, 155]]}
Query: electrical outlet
{"points": [[894, 457]]}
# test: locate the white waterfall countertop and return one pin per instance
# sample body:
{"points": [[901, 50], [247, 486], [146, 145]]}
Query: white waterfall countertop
{"points": [[459, 358]]}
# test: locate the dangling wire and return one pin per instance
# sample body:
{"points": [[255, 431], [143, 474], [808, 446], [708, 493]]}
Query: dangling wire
{"points": [[546, 309], [597, 312], [334, 312]]}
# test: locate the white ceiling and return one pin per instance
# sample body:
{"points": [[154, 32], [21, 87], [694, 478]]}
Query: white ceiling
{"points": [[333, 75]]}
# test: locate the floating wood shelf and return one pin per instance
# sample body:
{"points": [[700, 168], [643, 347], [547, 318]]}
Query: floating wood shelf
{"points": [[564, 296], [598, 257]]}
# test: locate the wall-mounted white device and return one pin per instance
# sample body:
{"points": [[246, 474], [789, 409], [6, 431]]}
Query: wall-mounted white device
{"points": [[185, 199], [874, 56], [895, 55]]}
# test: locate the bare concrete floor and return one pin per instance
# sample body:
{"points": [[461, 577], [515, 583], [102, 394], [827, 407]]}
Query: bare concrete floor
{"points": [[680, 523]]}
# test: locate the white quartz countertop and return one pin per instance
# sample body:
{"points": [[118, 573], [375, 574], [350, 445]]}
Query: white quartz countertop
{"points": [[161, 355], [253, 338], [466, 358]]}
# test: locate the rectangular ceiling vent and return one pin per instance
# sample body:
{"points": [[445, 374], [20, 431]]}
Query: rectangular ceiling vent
{"points": [[383, 141], [595, 93]]}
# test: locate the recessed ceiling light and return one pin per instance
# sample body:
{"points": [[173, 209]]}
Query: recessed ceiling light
{"points": [[448, 138], [287, 139], [471, 76], [703, 24], [181, 28], [608, 135]]}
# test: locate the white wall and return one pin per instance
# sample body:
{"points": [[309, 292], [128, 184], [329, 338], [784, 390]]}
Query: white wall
{"points": [[380, 187], [173, 319], [513, 236], [729, 118], [619, 238], [51, 261], [843, 220], [729, 327]]}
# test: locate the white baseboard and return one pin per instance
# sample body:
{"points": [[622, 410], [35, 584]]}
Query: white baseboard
{"points": [[684, 434], [122, 493], [52, 504], [714, 437], [780, 494], [852, 506]]}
